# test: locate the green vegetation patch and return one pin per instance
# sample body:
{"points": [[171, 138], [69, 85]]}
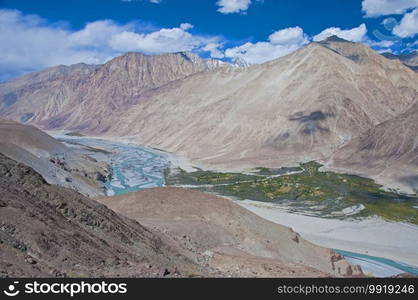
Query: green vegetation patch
{"points": [[74, 134], [200, 177], [325, 193], [279, 171]]}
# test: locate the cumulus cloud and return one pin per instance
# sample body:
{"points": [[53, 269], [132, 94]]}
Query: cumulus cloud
{"points": [[214, 50], [376, 8], [357, 34], [233, 6], [186, 26], [408, 27], [161, 41], [291, 35], [29, 43], [97, 33], [382, 44], [280, 43]]}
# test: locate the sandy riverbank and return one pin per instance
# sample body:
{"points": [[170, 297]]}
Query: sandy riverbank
{"points": [[373, 236]]}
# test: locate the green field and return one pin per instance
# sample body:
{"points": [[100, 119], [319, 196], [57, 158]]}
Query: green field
{"points": [[74, 134], [201, 177], [322, 193], [279, 171]]}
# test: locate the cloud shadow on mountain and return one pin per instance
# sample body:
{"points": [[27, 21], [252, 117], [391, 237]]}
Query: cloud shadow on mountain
{"points": [[311, 121]]}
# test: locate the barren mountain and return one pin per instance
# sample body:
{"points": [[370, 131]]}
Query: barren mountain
{"points": [[45, 92], [226, 236], [93, 92], [300, 107], [387, 152], [408, 59], [53, 160]]}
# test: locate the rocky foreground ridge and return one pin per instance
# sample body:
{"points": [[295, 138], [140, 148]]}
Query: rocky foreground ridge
{"points": [[57, 163]]}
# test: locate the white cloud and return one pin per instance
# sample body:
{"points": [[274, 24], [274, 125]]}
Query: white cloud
{"points": [[291, 35], [382, 44], [233, 6], [97, 33], [186, 26], [214, 50], [385, 50], [357, 34], [408, 27], [280, 43], [376, 8], [29, 43], [161, 41]]}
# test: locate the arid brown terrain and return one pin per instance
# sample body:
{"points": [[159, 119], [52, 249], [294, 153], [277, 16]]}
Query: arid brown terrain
{"points": [[408, 59], [57, 163], [388, 152], [46, 230], [226, 236]]}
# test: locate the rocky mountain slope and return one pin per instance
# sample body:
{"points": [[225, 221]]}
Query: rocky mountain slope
{"points": [[227, 237], [297, 108], [92, 93], [53, 160], [408, 59], [300, 107], [46, 230], [387, 152]]}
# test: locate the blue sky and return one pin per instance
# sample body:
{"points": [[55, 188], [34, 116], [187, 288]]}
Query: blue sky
{"points": [[42, 33]]}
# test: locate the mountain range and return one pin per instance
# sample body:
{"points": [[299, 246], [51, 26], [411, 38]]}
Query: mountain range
{"points": [[333, 101]]}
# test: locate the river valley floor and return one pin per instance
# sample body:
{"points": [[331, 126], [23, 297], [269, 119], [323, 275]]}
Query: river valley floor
{"points": [[137, 167]]}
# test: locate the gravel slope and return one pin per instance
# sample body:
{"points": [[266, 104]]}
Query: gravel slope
{"points": [[224, 235], [48, 231], [57, 163]]}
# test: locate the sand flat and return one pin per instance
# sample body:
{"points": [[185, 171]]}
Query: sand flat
{"points": [[372, 236]]}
